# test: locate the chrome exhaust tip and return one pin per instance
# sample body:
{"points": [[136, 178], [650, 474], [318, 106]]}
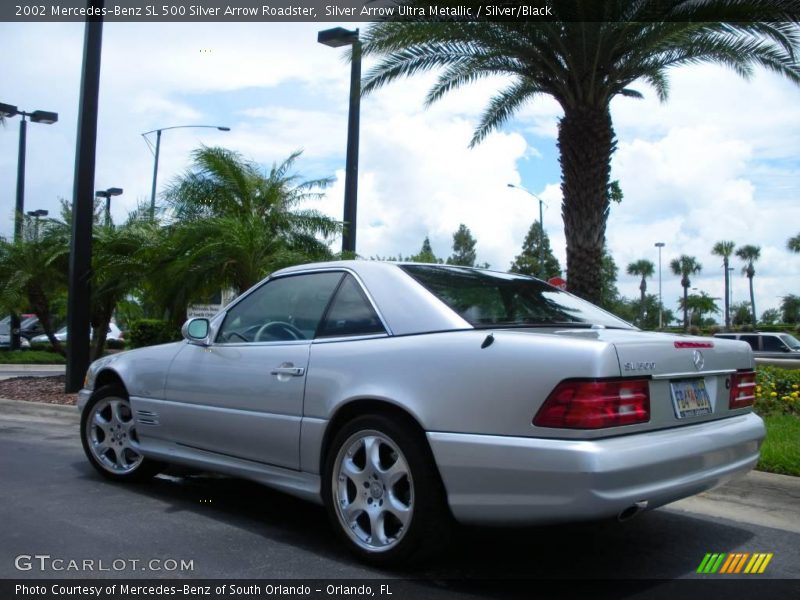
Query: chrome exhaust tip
{"points": [[632, 511]]}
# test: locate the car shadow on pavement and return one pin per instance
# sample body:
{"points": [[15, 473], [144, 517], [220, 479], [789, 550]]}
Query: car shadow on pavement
{"points": [[658, 545]]}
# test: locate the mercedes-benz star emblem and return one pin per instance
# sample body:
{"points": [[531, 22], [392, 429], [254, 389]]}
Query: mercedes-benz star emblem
{"points": [[698, 360]]}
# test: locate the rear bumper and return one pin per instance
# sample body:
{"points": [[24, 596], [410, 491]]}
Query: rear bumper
{"points": [[515, 480]]}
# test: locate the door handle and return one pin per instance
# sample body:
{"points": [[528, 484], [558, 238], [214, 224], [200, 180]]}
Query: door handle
{"points": [[293, 371]]}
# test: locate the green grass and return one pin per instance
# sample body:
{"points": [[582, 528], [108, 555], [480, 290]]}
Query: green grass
{"points": [[31, 357], [781, 450]]}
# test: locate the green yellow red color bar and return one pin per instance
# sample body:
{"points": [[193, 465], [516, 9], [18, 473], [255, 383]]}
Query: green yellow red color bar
{"points": [[736, 562]]}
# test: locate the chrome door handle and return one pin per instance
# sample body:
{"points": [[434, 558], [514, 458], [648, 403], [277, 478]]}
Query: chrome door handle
{"points": [[293, 371]]}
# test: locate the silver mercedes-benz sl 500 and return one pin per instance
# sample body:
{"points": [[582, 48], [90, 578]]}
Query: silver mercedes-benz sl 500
{"points": [[406, 396]]}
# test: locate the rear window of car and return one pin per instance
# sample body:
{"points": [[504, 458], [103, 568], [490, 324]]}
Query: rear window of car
{"points": [[491, 299]]}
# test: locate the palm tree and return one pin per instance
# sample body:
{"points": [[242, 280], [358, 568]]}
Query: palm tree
{"points": [[122, 261], [793, 244], [33, 272], [645, 269], [685, 266], [750, 254], [725, 250], [592, 52], [699, 305], [234, 223]]}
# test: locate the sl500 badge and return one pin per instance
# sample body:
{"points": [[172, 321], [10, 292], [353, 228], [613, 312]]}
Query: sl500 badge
{"points": [[639, 366]]}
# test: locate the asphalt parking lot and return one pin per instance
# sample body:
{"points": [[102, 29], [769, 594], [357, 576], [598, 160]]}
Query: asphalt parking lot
{"points": [[55, 504]]}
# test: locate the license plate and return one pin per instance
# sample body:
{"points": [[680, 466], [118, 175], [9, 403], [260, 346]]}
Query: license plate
{"points": [[690, 398]]}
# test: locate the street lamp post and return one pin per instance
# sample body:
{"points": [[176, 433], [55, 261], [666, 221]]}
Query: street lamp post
{"points": [[336, 38], [158, 150], [36, 214], [541, 226], [37, 116], [114, 191], [660, 245]]}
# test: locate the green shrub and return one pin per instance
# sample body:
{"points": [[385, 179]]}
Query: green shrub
{"points": [[114, 344], [149, 332], [45, 346], [30, 357], [777, 391]]}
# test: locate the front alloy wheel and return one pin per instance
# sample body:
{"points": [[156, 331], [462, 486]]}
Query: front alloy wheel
{"points": [[108, 433]]}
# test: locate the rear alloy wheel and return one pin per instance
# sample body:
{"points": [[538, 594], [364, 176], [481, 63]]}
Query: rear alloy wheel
{"points": [[383, 492], [110, 441]]}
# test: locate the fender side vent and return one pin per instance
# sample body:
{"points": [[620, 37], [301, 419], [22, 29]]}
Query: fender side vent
{"points": [[146, 417]]}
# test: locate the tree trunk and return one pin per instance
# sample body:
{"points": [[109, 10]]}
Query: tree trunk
{"points": [[586, 142], [643, 290], [727, 295], [41, 306], [752, 300], [685, 308], [101, 317]]}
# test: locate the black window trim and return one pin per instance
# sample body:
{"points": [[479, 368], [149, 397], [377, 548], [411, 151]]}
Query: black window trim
{"points": [[224, 313], [366, 298]]}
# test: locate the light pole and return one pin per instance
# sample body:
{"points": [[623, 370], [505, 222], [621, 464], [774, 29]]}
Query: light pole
{"points": [[37, 116], [336, 38], [114, 191], [158, 149], [660, 245], [541, 227], [36, 214]]}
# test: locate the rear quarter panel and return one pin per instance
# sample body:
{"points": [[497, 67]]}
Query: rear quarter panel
{"points": [[448, 382]]}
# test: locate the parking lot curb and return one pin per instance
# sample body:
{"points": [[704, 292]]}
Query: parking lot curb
{"points": [[22, 409]]}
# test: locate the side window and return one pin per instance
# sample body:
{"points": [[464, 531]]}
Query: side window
{"points": [[284, 309], [350, 313], [772, 344], [752, 340]]}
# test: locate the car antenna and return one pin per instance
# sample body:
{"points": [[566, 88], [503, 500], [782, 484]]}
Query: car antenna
{"points": [[488, 341]]}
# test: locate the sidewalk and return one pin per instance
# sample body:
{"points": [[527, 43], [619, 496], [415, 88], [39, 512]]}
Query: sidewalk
{"points": [[14, 368]]}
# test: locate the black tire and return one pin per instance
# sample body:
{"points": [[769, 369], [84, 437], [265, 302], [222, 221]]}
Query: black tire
{"points": [[416, 534], [108, 435]]}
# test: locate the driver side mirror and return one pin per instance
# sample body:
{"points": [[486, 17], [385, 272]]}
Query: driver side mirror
{"points": [[196, 331]]}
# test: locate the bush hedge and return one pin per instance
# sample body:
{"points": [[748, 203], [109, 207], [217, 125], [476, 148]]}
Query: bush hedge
{"points": [[777, 391], [149, 332], [30, 357]]}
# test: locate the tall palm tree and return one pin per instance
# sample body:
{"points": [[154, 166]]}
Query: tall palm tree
{"points": [[645, 269], [590, 53], [793, 243], [234, 223], [725, 250], [685, 266], [750, 254]]}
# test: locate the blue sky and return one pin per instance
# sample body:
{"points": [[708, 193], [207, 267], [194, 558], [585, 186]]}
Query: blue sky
{"points": [[718, 161]]}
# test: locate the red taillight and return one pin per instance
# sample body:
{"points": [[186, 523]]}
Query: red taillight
{"points": [[743, 389], [595, 404]]}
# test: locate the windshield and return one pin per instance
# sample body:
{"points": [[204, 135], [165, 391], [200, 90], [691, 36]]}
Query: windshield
{"points": [[790, 341], [489, 299]]}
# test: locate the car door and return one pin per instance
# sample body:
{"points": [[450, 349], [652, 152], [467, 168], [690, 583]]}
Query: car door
{"points": [[242, 396]]}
